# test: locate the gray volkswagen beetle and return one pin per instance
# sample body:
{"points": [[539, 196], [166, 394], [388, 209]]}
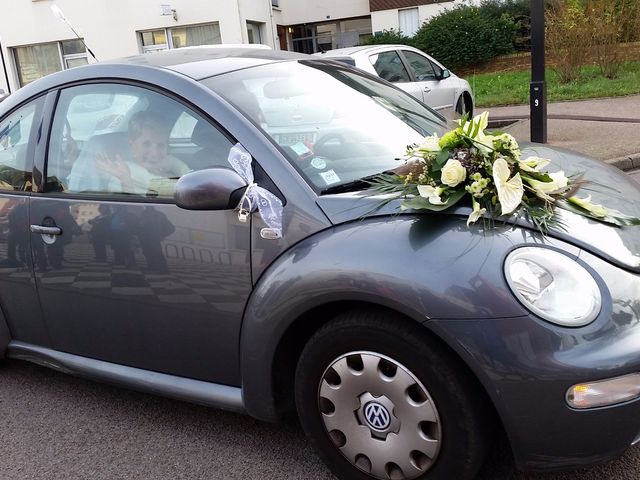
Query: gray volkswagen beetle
{"points": [[195, 223]]}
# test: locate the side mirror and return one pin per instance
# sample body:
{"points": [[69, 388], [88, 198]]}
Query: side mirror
{"points": [[444, 74], [210, 189]]}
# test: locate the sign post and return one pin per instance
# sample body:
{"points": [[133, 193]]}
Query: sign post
{"points": [[538, 87]]}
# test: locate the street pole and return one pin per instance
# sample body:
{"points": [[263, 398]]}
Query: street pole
{"points": [[4, 67], [538, 87]]}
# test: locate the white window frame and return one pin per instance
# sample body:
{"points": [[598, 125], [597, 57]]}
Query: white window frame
{"points": [[257, 27], [155, 48], [62, 58], [168, 45], [402, 13]]}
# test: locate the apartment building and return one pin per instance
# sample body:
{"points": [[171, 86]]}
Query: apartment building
{"points": [[36, 39]]}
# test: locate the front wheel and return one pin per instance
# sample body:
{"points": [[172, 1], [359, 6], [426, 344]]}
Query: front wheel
{"points": [[464, 106], [381, 399]]}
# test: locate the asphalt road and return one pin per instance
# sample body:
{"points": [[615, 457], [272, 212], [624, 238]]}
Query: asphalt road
{"points": [[53, 426]]}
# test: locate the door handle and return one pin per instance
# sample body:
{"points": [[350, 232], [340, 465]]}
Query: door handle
{"points": [[427, 89], [42, 230]]}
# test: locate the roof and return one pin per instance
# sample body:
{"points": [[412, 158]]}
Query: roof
{"points": [[361, 48], [207, 61]]}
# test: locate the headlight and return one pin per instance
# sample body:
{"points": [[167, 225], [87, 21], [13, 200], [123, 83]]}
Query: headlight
{"points": [[553, 286]]}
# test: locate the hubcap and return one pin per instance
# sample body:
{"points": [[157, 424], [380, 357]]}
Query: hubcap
{"points": [[379, 415]]}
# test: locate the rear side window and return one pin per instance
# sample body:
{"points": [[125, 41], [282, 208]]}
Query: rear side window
{"points": [[15, 142], [389, 66]]}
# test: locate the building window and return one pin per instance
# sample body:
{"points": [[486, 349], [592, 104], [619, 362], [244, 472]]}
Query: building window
{"points": [[318, 37], [74, 53], [36, 61], [176, 37], [154, 40], [409, 21], [254, 32]]}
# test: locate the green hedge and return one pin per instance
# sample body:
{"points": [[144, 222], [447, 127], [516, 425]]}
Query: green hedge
{"points": [[465, 36], [388, 37]]}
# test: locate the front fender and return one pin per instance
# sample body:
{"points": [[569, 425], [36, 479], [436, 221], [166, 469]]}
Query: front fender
{"points": [[424, 267]]}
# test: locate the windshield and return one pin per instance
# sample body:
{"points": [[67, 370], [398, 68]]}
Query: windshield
{"points": [[334, 125]]}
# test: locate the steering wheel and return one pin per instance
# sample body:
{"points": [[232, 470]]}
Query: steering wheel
{"points": [[325, 139]]}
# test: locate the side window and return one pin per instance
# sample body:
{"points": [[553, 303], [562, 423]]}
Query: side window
{"points": [[15, 131], [120, 139], [389, 66], [421, 66]]}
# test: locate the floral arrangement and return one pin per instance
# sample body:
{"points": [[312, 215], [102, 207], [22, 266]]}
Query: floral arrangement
{"points": [[489, 169]]}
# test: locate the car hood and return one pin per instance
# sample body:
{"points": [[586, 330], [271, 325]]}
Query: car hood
{"points": [[606, 184]]}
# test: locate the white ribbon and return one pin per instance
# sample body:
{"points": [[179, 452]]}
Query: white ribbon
{"points": [[269, 206]]}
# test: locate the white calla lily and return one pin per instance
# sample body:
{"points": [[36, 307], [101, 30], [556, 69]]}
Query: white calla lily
{"points": [[484, 143], [480, 122], [432, 194], [510, 191], [533, 164], [594, 208], [476, 213], [558, 183]]}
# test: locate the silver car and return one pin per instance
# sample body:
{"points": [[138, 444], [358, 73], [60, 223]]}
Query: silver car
{"points": [[413, 71]]}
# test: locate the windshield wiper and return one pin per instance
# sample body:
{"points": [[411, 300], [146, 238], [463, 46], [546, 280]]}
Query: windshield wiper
{"points": [[355, 185]]}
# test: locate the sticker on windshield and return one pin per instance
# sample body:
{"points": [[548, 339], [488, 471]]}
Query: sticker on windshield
{"points": [[330, 177], [301, 149], [319, 163]]}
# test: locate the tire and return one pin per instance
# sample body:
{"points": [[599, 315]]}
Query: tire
{"points": [[379, 398], [462, 107]]}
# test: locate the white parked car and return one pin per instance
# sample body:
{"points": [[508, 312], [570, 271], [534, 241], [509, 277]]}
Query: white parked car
{"points": [[413, 71]]}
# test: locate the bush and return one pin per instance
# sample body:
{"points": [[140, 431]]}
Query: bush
{"points": [[519, 11], [389, 37], [568, 37], [513, 8], [584, 31], [466, 36]]}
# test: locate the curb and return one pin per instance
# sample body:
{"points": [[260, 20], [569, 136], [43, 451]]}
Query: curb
{"points": [[563, 116], [628, 162]]}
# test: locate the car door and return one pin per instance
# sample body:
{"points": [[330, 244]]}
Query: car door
{"points": [[390, 66], [19, 135], [123, 274], [437, 93]]}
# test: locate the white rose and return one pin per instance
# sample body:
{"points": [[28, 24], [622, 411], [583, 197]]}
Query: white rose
{"points": [[453, 173]]}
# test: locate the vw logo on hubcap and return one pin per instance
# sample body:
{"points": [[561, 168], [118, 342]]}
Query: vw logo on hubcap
{"points": [[377, 416]]}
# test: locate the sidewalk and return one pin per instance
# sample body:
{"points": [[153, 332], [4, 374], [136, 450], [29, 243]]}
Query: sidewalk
{"points": [[607, 129]]}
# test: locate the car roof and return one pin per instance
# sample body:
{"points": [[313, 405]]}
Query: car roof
{"points": [[360, 49], [196, 63], [207, 61]]}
